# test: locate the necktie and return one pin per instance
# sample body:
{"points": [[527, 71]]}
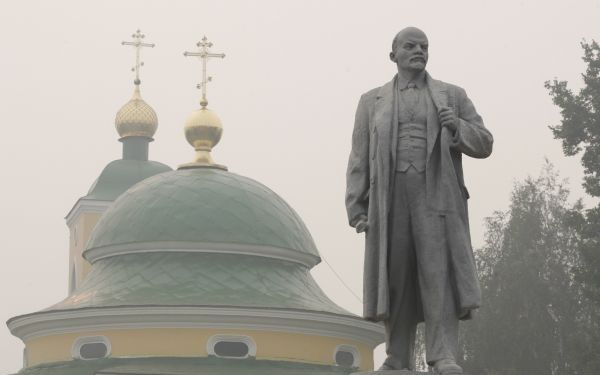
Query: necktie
{"points": [[410, 98]]}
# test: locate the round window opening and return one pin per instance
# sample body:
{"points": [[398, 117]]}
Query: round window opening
{"points": [[231, 349], [91, 347], [231, 346], [346, 356], [93, 350]]}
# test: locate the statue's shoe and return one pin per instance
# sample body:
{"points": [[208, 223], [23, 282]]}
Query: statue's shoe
{"points": [[447, 367]]}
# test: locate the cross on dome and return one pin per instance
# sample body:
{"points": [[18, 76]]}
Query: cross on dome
{"points": [[138, 44], [204, 54]]}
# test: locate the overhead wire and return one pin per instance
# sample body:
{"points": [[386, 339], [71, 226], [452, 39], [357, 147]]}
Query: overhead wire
{"points": [[341, 280]]}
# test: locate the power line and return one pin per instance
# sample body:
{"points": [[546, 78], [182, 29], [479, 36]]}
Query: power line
{"points": [[341, 280]]}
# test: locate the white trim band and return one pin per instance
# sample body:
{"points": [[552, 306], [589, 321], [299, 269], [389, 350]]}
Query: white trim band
{"points": [[97, 253], [48, 323]]}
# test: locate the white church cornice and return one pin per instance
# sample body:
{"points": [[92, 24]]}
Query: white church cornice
{"points": [[86, 205], [41, 324], [308, 260]]}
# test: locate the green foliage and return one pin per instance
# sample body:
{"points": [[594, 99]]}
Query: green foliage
{"points": [[580, 126], [589, 246], [536, 318], [580, 131], [540, 266]]}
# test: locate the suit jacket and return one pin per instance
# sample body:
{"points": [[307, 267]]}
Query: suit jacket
{"points": [[369, 185]]}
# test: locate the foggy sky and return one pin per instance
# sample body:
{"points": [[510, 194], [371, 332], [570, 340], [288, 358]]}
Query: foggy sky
{"points": [[286, 93]]}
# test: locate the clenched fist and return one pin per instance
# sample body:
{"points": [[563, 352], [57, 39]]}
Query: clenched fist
{"points": [[362, 226], [447, 118]]}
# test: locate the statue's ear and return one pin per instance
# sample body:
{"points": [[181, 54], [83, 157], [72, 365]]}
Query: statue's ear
{"points": [[393, 56]]}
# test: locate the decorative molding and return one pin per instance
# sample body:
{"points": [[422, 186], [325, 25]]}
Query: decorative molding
{"points": [[213, 340], [97, 253], [86, 205], [48, 323], [348, 348], [80, 341]]}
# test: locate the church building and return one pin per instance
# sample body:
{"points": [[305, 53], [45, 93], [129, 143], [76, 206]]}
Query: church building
{"points": [[190, 271]]}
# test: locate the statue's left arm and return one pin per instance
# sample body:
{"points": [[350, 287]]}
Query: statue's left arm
{"points": [[471, 137]]}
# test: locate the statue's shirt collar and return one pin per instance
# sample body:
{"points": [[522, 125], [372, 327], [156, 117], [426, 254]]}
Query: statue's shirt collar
{"points": [[419, 81]]}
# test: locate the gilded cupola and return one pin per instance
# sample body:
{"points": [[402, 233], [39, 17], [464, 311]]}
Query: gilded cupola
{"points": [[136, 121], [136, 118]]}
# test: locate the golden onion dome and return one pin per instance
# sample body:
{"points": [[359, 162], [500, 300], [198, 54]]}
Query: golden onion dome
{"points": [[136, 118], [203, 130]]}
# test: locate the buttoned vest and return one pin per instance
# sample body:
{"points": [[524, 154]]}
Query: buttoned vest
{"points": [[412, 129]]}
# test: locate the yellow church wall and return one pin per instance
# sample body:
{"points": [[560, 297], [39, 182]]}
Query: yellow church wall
{"points": [[89, 223], [191, 342], [80, 231]]}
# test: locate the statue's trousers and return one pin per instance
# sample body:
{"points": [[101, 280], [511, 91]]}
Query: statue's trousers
{"points": [[419, 267]]}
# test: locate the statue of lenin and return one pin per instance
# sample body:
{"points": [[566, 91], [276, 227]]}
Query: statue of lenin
{"points": [[405, 189]]}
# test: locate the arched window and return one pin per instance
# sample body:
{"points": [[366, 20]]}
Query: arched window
{"points": [[91, 347], [231, 346], [346, 356]]}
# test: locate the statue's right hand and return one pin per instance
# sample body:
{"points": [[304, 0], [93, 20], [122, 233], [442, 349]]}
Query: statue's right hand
{"points": [[362, 226]]}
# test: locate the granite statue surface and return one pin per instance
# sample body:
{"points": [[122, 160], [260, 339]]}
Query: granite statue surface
{"points": [[406, 191]]}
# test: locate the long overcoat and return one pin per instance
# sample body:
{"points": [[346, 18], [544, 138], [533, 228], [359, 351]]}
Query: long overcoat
{"points": [[370, 177]]}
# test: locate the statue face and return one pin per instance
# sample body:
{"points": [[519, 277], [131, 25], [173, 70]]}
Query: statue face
{"points": [[410, 50]]}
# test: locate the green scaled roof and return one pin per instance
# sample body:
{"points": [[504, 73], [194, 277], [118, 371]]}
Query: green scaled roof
{"points": [[182, 366], [120, 175], [202, 205], [192, 279]]}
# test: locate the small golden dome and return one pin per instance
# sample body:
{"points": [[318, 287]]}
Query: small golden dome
{"points": [[136, 118], [203, 130]]}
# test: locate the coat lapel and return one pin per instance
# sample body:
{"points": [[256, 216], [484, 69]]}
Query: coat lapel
{"points": [[384, 117], [439, 98]]}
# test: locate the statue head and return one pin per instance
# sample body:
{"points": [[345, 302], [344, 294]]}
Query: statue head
{"points": [[410, 50]]}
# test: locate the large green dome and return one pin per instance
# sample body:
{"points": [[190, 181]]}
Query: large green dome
{"points": [[202, 209]]}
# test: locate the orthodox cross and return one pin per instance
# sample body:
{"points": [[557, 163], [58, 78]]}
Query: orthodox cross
{"points": [[204, 54], [138, 44]]}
